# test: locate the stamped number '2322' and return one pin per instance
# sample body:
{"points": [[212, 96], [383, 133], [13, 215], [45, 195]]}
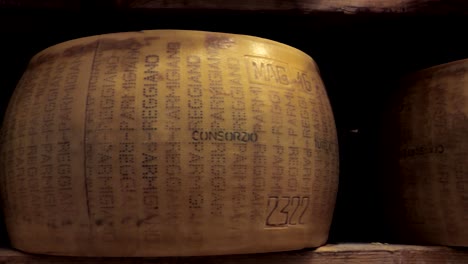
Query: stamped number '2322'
{"points": [[286, 210]]}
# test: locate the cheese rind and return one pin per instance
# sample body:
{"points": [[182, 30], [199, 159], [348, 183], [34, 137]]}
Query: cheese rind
{"points": [[169, 143], [427, 159]]}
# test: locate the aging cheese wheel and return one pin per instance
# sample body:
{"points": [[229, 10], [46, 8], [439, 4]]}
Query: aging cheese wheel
{"points": [[169, 143], [427, 152]]}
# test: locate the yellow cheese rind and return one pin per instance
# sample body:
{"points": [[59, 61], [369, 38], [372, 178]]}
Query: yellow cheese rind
{"points": [[169, 143], [427, 157]]}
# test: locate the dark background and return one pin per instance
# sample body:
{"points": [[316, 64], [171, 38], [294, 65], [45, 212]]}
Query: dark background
{"points": [[361, 57]]}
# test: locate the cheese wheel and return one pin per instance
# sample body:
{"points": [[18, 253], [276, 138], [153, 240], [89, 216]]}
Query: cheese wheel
{"points": [[169, 143], [427, 158]]}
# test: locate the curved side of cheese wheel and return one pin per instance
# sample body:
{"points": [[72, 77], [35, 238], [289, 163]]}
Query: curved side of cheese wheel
{"points": [[169, 143], [428, 175]]}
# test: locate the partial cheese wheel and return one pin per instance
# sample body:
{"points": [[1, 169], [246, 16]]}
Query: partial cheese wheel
{"points": [[169, 143], [427, 157]]}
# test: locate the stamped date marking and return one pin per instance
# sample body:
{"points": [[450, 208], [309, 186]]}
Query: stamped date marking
{"points": [[286, 210], [267, 71]]}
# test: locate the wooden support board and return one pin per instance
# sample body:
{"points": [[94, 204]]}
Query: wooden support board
{"points": [[308, 6], [329, 254], [299, 6]]}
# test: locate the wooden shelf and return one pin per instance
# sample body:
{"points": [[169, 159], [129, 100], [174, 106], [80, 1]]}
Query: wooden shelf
{"points": [[330, 254], [307, 6], [299, 6]]}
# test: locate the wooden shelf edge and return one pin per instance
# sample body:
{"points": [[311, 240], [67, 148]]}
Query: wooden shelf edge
{"points": [[422, 7], [329, 254], [307, 6]]}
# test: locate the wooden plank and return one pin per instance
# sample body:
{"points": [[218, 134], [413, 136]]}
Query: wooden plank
{"points": [[330, 254], [308, 6], [301, 6]]}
